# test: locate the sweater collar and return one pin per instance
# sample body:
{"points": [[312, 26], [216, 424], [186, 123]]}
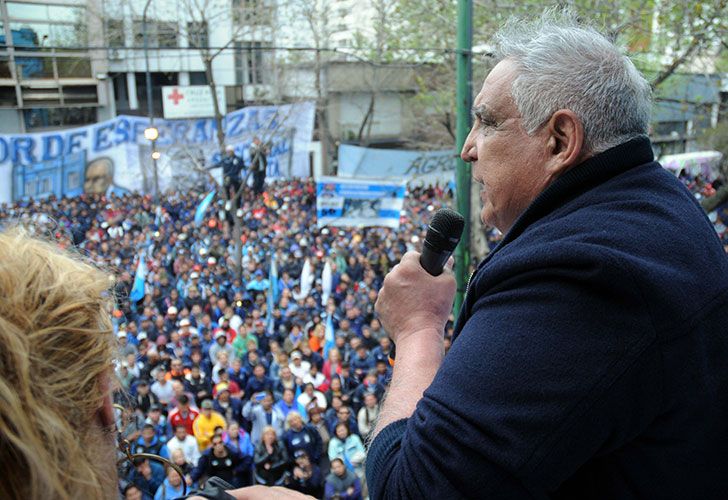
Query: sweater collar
{"points": [[583, 177]]}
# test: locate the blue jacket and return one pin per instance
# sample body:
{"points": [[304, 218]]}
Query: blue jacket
{"points": [[590, 353], [308, 439]]}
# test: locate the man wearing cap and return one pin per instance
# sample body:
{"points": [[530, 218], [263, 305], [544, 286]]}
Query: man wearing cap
{"points": [[144, 398], [125, 348], [170, 322], [306, 476], [220, 345], [159, 421], [205, 424], [231, 408], [261, 412]]}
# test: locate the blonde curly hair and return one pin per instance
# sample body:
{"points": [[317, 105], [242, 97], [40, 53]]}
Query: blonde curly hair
{"points": [[55, 373]]}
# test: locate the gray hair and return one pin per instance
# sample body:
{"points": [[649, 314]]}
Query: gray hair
{"points": [[564, 65]]}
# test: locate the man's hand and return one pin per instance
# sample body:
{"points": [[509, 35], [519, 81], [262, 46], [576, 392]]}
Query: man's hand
{"points": [[412, 300]]}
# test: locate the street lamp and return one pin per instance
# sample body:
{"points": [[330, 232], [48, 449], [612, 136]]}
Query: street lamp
{"points": [[156, 155], [153, 131]]}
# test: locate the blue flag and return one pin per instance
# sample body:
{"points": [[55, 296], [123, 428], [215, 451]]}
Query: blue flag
{"points": [[202, 207], [328, 336], [272, 293], [137, 290]]}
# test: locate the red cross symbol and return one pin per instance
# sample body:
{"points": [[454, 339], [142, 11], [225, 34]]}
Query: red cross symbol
{"points": [[175, 96]]}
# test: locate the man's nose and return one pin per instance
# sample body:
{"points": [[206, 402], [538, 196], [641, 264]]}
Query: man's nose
{"points": [[469, 152]]}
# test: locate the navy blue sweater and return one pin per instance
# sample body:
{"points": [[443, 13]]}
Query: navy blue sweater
{"points": [[591, 356]]}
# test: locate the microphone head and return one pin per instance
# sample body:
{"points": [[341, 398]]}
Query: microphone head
{"points": [[445, 229]]}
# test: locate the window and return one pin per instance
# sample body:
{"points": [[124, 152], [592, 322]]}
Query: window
{"points": [[32, 68], [251, 66], [37, 25], [39, 118], [115, 32], [197, 35], [167, 34], [73, 67]]}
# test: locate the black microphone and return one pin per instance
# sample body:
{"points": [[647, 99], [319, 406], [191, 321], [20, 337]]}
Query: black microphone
{"points": [[443, 235]]}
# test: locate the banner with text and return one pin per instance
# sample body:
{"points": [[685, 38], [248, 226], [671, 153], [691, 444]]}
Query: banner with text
{"points": [[417, 167], [358, 203], [114, 157]]}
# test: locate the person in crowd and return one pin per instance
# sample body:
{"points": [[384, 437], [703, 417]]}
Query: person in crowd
{"points": [[172, 486], [222, 461], [205, 424], [149, 442], [342, 483], [159, 421], [185, 442], [368, 414], [301, 436], [288, 402], [183, 414], [162, 388], [306, 476], [310, 394], [147, 475], [271, 459], [348, 447], [262, 413], [343, 414], [259, 382], [582, 310], [229, 407], [144, 398]]}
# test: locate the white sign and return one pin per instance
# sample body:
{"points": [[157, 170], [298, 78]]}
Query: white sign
{"points": [[192, 101]]}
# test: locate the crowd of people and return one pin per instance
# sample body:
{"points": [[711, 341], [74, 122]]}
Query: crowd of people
{"points": [[208, 375], [211, 378]]}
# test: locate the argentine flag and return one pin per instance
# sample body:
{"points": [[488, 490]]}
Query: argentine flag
{"points": [[137, 290], [328, 336], [272, 292], [202, 208]]}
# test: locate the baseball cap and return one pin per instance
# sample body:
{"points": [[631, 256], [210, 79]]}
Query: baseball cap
{"points": [[194, 276], [296, 354], [219, 334], [222, 386], [121, 334], [172, 310], [184, 322], [206, 404], [142, 336], [300, 453]]}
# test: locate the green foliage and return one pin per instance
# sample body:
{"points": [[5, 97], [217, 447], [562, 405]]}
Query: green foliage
{"points": [[661, 37]]}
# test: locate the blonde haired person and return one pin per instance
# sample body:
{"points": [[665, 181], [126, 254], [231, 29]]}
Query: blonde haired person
{"points": [[56, 414]]}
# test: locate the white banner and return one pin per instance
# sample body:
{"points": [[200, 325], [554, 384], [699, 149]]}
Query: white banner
{"points": [[191, 101], [114, 157]]}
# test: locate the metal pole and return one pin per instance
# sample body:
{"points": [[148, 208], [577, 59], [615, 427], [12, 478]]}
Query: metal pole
{"points": [[462, 181], [150, 110]]}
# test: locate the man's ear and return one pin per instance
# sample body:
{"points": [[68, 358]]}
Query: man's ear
{"points": [[565, 142]]}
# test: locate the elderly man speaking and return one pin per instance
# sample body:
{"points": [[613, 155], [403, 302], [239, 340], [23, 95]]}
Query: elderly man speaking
{"points": [[590, 358]]}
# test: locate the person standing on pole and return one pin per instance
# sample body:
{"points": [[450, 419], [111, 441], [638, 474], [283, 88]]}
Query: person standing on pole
{"points": [[258, 164]]}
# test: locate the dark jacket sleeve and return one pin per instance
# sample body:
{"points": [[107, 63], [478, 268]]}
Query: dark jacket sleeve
{"points": [[201, 468], [536, 383]]}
